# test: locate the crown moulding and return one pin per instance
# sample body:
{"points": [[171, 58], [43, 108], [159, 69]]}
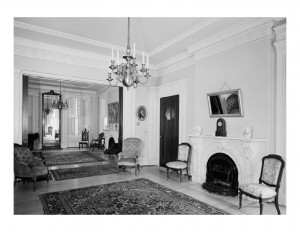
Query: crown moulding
{"points": [[240, 35]]}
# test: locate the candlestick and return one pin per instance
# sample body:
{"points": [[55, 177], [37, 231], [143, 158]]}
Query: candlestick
{"points": [[118, 58], [143, 57], [112, 53], [147, 61]]}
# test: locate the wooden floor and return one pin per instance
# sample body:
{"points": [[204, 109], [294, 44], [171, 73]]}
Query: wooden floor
{"points": [[27, 202]]}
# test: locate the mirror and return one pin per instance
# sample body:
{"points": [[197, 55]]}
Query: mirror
{"points": [[225, 104], [51, 120]]}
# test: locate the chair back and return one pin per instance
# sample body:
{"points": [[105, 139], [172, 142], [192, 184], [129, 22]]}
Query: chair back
{"points": [[131, 145], [22, 154], [85, 135], [271, 170], [184, 152], [101, 135]]}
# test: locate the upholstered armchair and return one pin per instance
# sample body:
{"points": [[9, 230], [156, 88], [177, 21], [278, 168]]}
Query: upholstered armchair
{"points": [[269, 182], [27, 166], [182, 161], [129, 157]]}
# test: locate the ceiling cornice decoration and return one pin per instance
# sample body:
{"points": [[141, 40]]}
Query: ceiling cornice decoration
{"points": [[67, 91], [280, 32], [244, 26], [249, 36], [64, 35], [59, 49], [183, 35], [246, 32]]}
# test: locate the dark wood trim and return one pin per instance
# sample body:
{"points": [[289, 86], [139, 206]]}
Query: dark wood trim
{"points": [[121, 116], [25, 112]]}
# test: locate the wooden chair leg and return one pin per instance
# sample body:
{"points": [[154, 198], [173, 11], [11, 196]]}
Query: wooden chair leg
{"points": [[261, 206], [187, 173], [276, 205], [138, 167], [34, 183], [241, 197], [135, 171], [180, 176], [167, 173]]}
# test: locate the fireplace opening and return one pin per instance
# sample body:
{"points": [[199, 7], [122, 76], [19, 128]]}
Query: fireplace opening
{"points": [[221, 175]]}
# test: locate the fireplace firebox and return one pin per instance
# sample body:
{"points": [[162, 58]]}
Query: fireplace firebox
{"points": [[221, 175], [113, 147]]}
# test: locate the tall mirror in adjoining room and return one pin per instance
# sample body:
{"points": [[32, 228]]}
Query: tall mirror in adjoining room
{"points": [[51, 120]]}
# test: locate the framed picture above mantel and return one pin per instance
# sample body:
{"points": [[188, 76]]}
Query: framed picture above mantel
{"points": [[225, 104], [113, 113]]}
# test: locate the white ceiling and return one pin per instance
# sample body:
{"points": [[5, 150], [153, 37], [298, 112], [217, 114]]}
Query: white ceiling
{"points": [[162, 38]]}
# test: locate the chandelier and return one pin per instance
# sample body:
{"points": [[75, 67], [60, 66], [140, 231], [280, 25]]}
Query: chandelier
{"points": [[48, 110], [59, 103], [127, 73]]}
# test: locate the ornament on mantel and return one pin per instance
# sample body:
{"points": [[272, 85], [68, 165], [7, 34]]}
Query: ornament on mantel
{"points": [[248, 132], [198, 130]]}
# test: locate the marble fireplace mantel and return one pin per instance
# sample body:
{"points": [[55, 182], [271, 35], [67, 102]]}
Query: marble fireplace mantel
{"points": [[108, 133], [245, 152]]}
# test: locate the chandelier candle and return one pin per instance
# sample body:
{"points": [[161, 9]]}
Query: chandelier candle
{"points": [[127, 73]]}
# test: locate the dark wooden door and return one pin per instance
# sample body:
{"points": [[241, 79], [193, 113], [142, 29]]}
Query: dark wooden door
{"points": [[25, 112], [169, 129]]}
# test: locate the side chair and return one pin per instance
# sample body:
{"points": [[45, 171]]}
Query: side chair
{"points": [[182, 161], [269, 182]]}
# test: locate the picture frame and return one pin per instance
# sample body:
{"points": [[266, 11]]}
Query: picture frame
{"points": [[113, 113], [141, 113], [225, 104]]}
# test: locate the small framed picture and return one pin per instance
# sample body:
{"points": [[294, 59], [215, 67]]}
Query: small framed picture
{"points": [[141, 113]]}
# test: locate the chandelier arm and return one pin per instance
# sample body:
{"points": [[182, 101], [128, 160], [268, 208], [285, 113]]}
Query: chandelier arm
{"points": [[127, 73]]}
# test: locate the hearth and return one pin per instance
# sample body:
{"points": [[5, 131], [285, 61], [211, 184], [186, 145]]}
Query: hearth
{"points": [[221, 175]]}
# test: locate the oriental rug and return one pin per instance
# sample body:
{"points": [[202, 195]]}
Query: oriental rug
{"points": [[70, 157], [85, 171], [138, 196]]}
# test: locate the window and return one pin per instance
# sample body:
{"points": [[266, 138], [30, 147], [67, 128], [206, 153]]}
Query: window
{"points": [[77, 116]]}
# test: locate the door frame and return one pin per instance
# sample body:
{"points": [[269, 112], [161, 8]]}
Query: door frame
{"points": [[167, 90]]}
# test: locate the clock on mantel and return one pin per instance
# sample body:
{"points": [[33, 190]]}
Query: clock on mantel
{"points": [[221, 127]]}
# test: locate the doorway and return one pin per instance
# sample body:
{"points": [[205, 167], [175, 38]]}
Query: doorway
{"points": [[169, 129]]}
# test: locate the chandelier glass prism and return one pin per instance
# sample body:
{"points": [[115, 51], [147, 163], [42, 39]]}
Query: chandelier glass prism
{"points": [[59, 103], [127, 73]]}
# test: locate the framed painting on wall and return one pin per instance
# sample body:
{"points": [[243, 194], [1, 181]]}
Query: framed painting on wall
{"points": [[113, 112], [141, 113], [225, 104]]}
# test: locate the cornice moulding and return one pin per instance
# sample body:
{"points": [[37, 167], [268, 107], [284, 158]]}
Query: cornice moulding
{"points": [[177, 66], [68, 36], [242, 27], [47, 88], [59, 49], [173, 60], [261, 32], [59, 57], [183, 35], [280, 32]]}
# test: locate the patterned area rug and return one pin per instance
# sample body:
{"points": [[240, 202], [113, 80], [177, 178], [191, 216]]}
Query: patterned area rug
{"points": [[72, 173], [70, 157], [138, 196]]}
